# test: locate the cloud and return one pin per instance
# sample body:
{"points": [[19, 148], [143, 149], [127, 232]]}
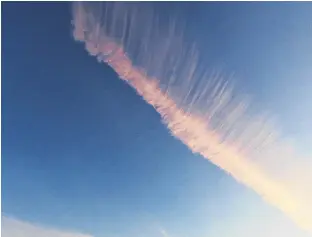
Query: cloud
{"points": [[16, 228], [198, 108], [164, 233]]}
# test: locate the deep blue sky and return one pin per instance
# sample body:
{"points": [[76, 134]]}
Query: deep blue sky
{"points": [[81, 150]]}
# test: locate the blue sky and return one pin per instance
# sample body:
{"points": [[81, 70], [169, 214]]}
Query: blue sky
{"points": [[75, 156]]}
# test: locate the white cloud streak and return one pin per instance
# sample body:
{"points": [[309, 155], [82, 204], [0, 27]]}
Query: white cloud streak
{"points": [[16, 228], [197, 106]]}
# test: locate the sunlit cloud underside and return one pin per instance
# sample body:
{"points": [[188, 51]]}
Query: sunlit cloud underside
{"points": [[200, 108]]}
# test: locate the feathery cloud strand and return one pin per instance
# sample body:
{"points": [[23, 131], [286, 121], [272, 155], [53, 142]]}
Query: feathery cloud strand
{"points": [[199, 107]]}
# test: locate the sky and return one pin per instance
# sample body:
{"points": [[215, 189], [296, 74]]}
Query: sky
{"points": [[83, 153]]}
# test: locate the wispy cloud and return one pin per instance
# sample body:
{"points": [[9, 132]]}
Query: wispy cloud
{"points": [[164, 233], [16, 228], [198, 107]]}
